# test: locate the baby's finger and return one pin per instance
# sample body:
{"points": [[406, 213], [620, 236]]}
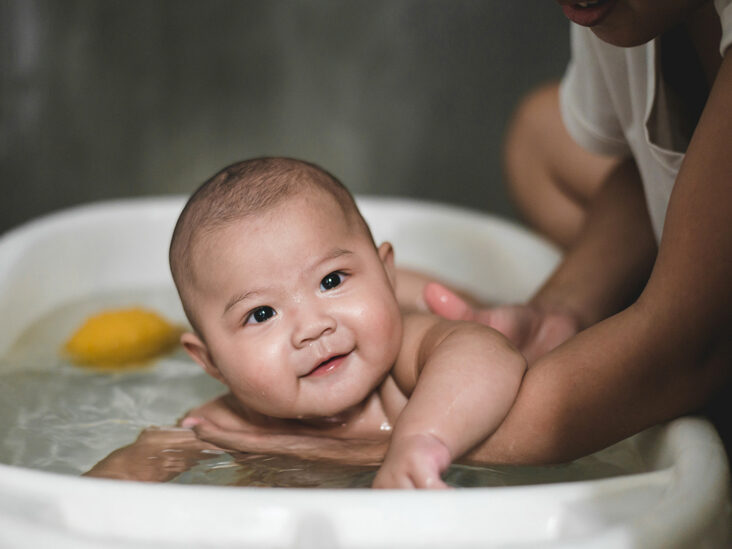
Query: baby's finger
{"points": [[432, 483], [388, 481], [427, 478]]}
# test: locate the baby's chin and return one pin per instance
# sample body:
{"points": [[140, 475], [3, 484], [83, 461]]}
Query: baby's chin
{"points": [[347, 405], [330, 417], [326, 420], [320, 416]]}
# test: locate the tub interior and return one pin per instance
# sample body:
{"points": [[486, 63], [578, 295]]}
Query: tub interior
{"points": [[63, 419], [57, 270]]}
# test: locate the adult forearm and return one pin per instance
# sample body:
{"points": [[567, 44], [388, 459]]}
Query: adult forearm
{"points": [[665, 355], [606, 268], [609, 382]]}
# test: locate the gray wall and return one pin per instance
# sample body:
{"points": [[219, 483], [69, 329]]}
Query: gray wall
{"points": [[111, 98]]}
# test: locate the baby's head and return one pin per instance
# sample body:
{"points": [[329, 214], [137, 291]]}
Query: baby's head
{"points": [[292, 304]]}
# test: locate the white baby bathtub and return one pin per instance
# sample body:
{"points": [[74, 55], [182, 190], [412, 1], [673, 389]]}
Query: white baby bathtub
{"points": [[682, 501]]}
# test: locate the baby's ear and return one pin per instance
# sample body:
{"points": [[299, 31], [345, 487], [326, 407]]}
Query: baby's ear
{"points": [[386, 254], [198, 351]]}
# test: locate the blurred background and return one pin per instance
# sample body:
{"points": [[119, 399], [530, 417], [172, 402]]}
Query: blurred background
{"points": [[103, 99]]}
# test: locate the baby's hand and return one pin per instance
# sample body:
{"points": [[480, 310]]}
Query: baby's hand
{"points": [[415, 461]]}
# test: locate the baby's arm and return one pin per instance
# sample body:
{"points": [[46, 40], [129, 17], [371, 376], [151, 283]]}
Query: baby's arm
{"points": [[469, 376]]}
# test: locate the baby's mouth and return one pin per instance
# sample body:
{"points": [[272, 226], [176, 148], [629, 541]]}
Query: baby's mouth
{"points": [[327, 366]]}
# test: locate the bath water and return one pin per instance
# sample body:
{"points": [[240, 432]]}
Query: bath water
{"points": [[62, 418]]}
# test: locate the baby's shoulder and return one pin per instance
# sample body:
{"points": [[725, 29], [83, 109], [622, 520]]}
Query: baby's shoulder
{"points": [[421, 332], [417, 323]]}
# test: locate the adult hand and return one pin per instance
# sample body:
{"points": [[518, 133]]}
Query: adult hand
{"points": [[158, 455], [533, 331], [280, 442]]}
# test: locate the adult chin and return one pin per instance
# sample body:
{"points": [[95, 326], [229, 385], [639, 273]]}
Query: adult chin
{"points": [[588, 13], [629, 23], [623, 38], [612, 21]]}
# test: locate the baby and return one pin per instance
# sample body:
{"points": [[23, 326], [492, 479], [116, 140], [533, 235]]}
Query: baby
{"points": [[294, 308]]}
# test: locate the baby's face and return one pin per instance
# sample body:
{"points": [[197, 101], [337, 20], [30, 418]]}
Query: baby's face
{"points": [[297, 309]]}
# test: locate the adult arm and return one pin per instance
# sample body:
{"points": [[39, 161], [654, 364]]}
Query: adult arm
{"points": [[664, 355], [304, 446], [601, 274], [224, 423]]}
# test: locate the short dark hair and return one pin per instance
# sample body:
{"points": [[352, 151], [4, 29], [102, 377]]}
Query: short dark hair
{"points": [[239, 190]]}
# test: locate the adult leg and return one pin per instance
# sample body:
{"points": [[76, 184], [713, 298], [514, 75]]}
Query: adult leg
{"points": [[550, 177]]}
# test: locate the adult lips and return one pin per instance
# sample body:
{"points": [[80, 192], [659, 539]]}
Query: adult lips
{"points": [[588, 14]]}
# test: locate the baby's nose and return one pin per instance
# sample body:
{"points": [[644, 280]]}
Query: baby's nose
{"points": [[311, 326]]}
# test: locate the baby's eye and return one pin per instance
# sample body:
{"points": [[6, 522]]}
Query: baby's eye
{"points": [[331, 280], [260, 314]]}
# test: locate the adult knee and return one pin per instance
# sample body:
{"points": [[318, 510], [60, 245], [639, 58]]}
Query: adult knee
{"points": [[526, 158]]}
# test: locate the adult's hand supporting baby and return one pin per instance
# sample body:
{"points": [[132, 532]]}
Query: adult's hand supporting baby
{"points": [[280, 442], [416, 462], [158, 455], [533, 331]]}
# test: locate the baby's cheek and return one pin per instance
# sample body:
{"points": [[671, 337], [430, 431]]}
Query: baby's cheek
{"points": [[248, 374], [386, 325]]}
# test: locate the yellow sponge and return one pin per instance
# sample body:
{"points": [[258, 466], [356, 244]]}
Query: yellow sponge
{"points": [[122, 337]]}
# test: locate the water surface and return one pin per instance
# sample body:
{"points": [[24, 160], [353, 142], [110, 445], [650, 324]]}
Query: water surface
{"points": [[61, 418]]}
